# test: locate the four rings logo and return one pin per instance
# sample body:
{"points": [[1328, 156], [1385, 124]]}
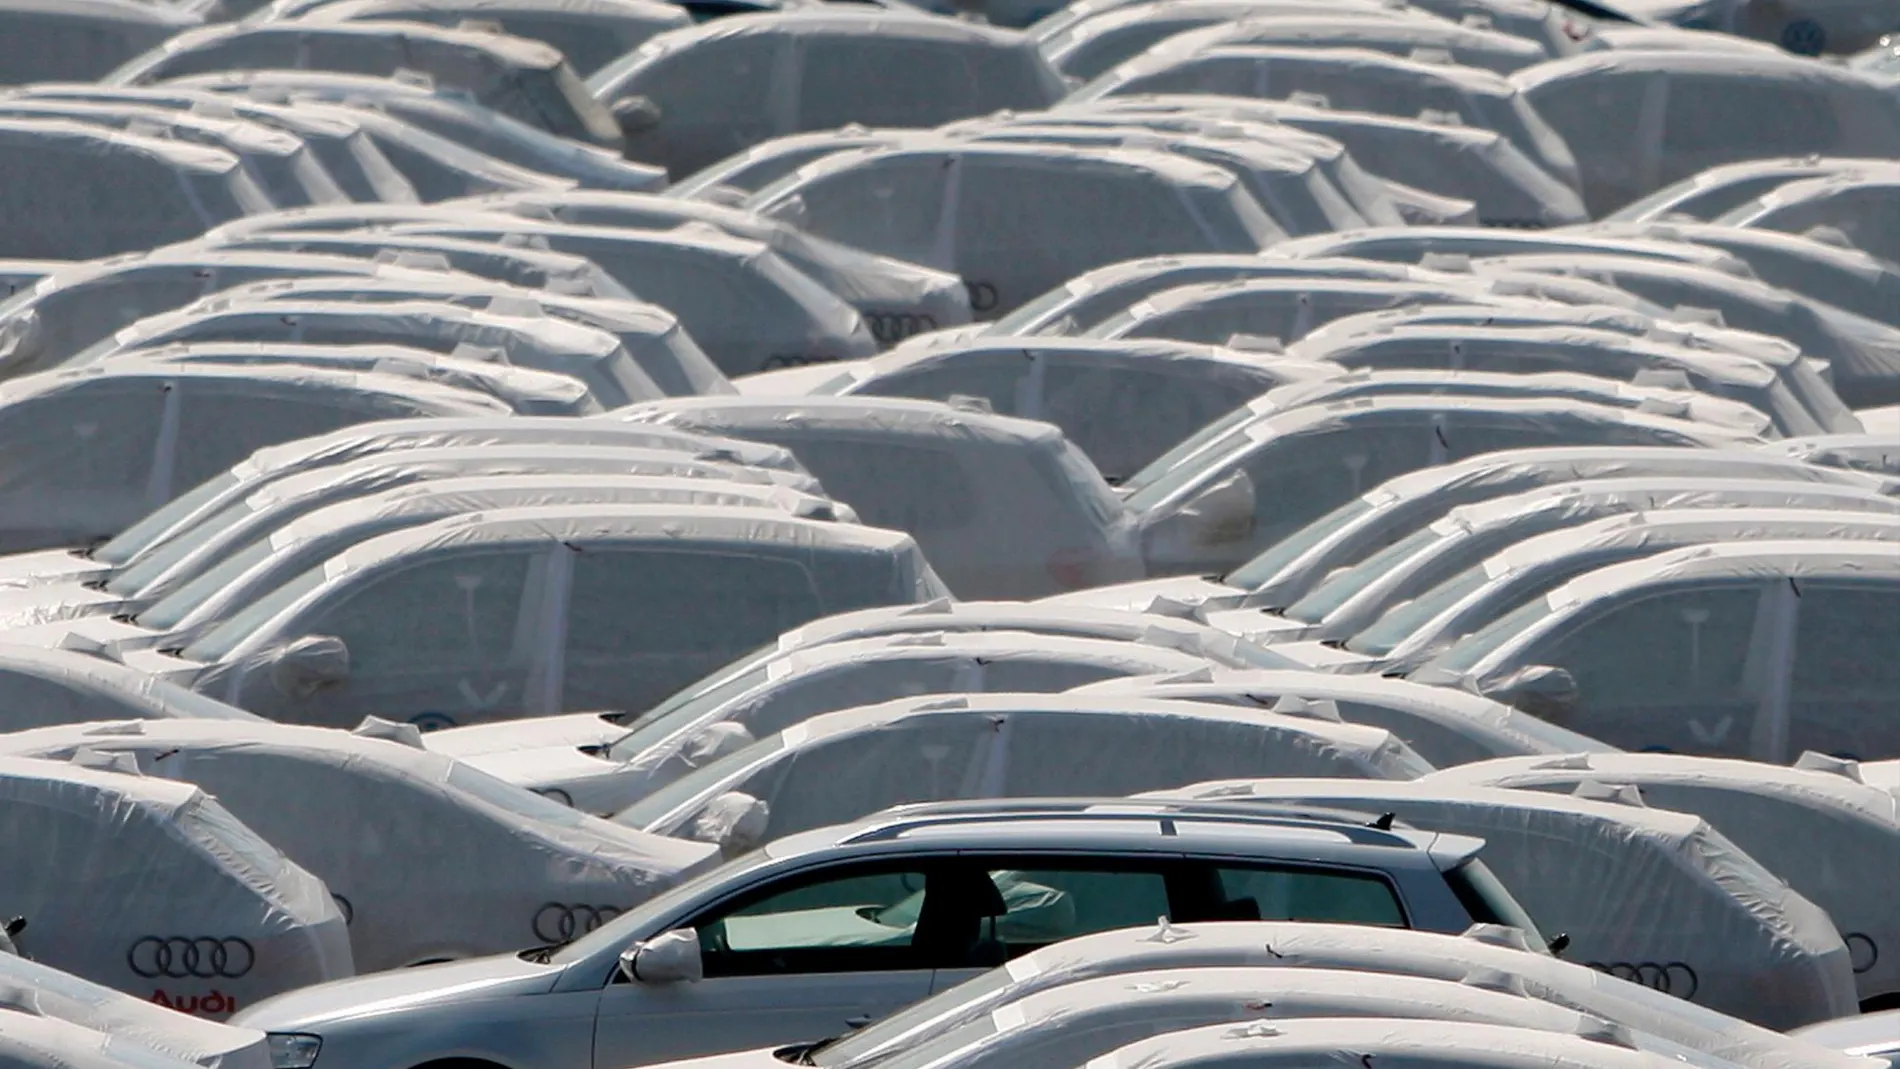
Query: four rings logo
{"points": [[560, 922], [181, 957], [1672, 978], [889, 327]]}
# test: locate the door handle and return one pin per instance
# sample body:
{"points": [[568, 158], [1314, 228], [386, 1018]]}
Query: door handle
{"points": [[855, 1023]]}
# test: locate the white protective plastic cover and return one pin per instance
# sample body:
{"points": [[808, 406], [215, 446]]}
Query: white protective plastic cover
{"points": [[1834, 838], [154, 888], [29, 1041], [43, 687], [506, 868], [28, 987], [80, 40], [1641, 892], [845, 765]]}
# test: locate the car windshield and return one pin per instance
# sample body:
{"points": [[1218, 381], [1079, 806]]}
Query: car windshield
{"points": [[1478, 645], [684, 709], [1218, 457], [169, 611], [221, 640], [131, 580], [1404, 620], [863, 1048], [139, 537], [663, 802], [1268, 565], [1341, 588], [1170, 461], [620, 931]]}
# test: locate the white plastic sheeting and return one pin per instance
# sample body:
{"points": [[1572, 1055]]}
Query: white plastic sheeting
{"points": [[43, 687], [1787, 664], [693, 96], [1348, 78], [1636, 889], [1375, 951], [844, 765], [1870, 452], [45, 40], [503, 865], [538, 610], [1123, 403], [523, 79], [1446, 727], [1017, 220], [1830, 835], [155, 889], [1706, 195], [1687, 111], [1804, 27], [72, 191], [1003, 507], [659, 748], [1268, 476], [1412, 1044], [29, 1041], [47, 993], [90, 451], [590, 33], [1857, 205]]}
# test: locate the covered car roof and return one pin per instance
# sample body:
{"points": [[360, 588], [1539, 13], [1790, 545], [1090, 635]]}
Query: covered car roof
{"points": [[1628, 885], [524, 79], [40, 687], [517, 847], [997, 745], [1870, 452], [94, 836], [74, 191], [1831, 835]]}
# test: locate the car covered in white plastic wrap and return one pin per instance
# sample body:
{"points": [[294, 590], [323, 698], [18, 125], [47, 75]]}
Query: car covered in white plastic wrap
{"points": [[1760, 649], [1487, 955], [592, 357], [590, 33], [1830, 834], [1860, 206], [656, 749], [1015, 220], [44, 687], [52, 39], [1248, 482], [155, 889], [1298, 562], [1355, 79], [1123, 403], [1687, 111], [88, 452], [29, 1041], [1446, 727], [526, 80], [1870, 452], [1707, 195], [536, 610], [842, 766], [505, 867], [222, 493], [48, 993], [1646, 894], [74, 191], [1804, 27], [693, 96], [1003, 507]]}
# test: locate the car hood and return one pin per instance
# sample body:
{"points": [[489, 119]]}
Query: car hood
{"points": [[567, 730], [52, 601], [1191, 590], [542, 766], [1259, 625], [1318, 655], [47, 565], [478, 979]]}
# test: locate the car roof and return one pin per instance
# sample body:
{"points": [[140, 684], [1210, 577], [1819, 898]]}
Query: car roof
{"points": [[896, 417], [1818, 559]]}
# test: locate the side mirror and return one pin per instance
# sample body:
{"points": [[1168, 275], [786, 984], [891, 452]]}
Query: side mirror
{"points": [[636, 115], [1543, 690], [308, 665], [665, 959], [735, 821]]}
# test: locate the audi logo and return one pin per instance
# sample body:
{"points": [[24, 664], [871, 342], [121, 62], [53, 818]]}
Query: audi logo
{"points": [[1671, 978], [889, 327], [181, 957], [560, 922]]}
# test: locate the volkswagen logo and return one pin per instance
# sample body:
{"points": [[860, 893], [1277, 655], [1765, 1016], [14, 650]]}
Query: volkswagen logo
{"points": [[180, 957], [1671, 978], [559, 922]]}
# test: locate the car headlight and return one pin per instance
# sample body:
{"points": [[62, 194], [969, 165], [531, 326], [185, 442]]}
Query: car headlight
{"points": [[293, 1050]]}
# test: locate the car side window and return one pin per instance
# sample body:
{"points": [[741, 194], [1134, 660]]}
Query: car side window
{"points": [[849, 79], [1302, 479], [1283, 893], [454, 613], [890, 206], [99, 437], [908, 488], [219, 427], [1846, 680], [1049, 902]]}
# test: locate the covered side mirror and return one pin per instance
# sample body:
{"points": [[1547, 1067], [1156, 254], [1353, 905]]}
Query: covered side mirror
{"points": [[1543, 690], [666, 959], [308, 665], [636, 115]]}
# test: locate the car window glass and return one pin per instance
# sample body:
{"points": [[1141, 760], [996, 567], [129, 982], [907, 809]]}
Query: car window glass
{"points": [[890, 206], [1781, 117], [1300, 480], [1291, 894], [218, 429], [993, 376], [1048, 904], [100, 437], [1846, 669], [845, 80], [453, 613], [903, 487]]}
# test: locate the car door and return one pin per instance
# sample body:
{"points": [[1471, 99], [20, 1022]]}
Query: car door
{"points": [[801, 957], [449, 639]]}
